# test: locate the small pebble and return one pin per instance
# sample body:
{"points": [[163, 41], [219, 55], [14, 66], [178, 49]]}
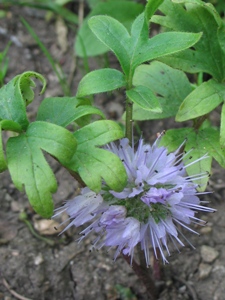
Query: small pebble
{"points": [[182, 289], [206, 230], [38, 259], [208, 254], [220, 270], [204, 270], [15, 253], [8, 198]]}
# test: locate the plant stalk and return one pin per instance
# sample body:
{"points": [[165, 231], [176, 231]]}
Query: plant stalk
{"points": [[199, 121], [144, 274], [129, 121], [141, 270]]}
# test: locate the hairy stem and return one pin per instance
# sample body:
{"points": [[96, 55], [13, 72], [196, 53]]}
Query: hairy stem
{"points": [[144, 274]]}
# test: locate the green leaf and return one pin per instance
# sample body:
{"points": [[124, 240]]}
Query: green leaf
{"points": [[93, 3], [15, 95], [100, 81], [221, 36], [151, 7], [222, 127], [139, 30], [210, 139], [139, 36], [115, 36], [171, 86], [144, 49], [145, 98], [94, 164], [11, 126], [52, 138], [64, 110], [28, 167], [207, 55], [173, 139], [3, 164], [201, 101], [207, 6], [165, 44], [85, 110], [133, 50], [124, 293], [125, 12], [26, 85]]}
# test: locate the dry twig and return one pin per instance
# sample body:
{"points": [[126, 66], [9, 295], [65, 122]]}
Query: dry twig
{"points": [[191, 290], [15, 294]]}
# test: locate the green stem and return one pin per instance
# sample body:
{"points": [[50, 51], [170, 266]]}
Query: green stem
{"points": [[199, 121], [129, 116], [23, 217]]}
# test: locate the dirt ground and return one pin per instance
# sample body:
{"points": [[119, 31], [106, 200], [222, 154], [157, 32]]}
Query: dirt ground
{"points": [[61, 269]]}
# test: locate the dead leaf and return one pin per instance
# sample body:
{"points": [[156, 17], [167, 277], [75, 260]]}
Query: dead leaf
{"points": [[61, 32]]}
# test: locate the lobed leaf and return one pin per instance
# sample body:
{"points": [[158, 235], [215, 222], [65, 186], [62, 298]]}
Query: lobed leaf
{"points": [[85, 110], [94, 164], [208, 54], [15, 95], [3, 164], [210, 139], [207, 6], [28, 167], [196, 144], [26, 85], [11, 126], [222, 127], [64, 110], [171, 87]]}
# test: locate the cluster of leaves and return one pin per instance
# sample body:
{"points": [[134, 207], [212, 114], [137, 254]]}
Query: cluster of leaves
{"points": [[77, 151], [157, 90], [123, 11], [207, 56], [132, 49], [162, 89]]}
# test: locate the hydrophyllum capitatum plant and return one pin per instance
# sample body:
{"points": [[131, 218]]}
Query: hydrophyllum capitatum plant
{"points": [[158, 200]]}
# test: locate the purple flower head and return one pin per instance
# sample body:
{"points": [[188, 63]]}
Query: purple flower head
{"points": [[158, 196]]}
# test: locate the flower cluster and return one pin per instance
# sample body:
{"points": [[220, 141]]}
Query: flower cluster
{"points": [[158, 196]]}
